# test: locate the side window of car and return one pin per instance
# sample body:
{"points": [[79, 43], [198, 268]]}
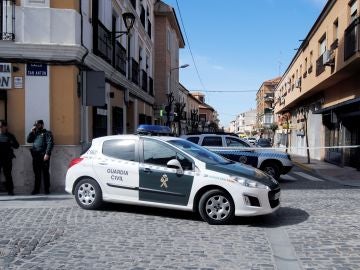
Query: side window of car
{"points": [[157, 154], [120, 149], [212, 141], [186, 164], [233, 142], [193, 139]]}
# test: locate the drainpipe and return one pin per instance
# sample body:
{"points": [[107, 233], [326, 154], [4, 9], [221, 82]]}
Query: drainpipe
{"points": [[83, 109]]}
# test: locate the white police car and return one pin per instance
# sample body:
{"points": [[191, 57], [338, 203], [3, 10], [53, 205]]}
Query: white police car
{"points": [[171, 173], [230, 146]]}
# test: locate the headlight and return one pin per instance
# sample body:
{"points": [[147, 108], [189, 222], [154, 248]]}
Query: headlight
{"points": [[247, 182]]}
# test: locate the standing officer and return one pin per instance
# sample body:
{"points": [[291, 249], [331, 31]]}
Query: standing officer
{"points": [[8, 142], [43, 143]]}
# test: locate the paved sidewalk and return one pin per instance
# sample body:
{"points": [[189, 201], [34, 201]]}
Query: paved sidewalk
{"points": [[347, 176]]}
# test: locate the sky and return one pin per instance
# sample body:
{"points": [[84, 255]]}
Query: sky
{"points": [[238, 44]]}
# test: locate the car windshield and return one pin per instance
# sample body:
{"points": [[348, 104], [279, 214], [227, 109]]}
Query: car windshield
{"points": [[199, 152]]}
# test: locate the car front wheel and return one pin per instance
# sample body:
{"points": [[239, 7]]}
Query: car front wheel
{"points": [[216, 207], [88, 194]]}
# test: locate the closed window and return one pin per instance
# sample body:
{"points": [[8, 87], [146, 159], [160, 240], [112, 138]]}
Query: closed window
{"points": [[233, 142], [322, 45], [212, 141], [353, 10], [157, 154], [120, 149], [193, 139]]}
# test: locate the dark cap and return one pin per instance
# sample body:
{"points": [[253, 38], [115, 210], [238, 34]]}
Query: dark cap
{"points": [[3, 123], [41, 122]]}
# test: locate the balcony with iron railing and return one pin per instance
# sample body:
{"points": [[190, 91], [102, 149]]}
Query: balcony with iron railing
{"points": [[135, 71], [352, 39], [7, 20], [103, 46], [144, 80], [120, 58]]}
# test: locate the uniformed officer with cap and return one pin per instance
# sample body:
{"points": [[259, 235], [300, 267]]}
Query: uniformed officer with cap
{"points": [[43, 143], [8, 142]]}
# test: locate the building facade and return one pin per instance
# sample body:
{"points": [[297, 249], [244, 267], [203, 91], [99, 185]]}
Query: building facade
{"points": [[265, 103], [168, 41], [318, 97], [69, 63], [245, 123]]}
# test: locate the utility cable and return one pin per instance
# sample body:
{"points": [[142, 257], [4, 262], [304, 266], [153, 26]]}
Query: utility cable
{"points": [[188, 42]]}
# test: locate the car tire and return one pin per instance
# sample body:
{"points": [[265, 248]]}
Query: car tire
{"points": [[272, 169], [88, 194], [216, 207]]}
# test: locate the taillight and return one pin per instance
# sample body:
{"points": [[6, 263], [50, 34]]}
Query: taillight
{"points": [[75, 161]]}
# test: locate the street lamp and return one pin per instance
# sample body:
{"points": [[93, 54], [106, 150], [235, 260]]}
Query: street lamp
{"points": [[129, 20]]}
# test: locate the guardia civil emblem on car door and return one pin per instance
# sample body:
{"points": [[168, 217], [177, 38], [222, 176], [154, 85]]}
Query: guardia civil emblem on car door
{"points": [[163, 180]]}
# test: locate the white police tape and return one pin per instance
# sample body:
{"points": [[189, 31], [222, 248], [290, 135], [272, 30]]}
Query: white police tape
{"points": [[282, 148]]}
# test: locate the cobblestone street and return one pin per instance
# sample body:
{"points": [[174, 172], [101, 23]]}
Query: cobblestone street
{"points": [[316, 228]]}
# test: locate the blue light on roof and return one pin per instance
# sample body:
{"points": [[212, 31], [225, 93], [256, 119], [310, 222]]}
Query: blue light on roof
{"points": [[154, 130]]}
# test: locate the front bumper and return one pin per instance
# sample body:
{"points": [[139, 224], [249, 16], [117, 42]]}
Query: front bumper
{"points": [[266, 202]]}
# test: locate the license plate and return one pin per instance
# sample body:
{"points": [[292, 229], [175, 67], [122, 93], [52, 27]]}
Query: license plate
{"points": [[277, 196]]}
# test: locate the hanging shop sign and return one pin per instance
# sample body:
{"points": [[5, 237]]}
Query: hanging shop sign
{"points": [[5, 76], [36, 69]]}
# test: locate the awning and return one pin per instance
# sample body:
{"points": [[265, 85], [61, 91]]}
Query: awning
{"points": [[338, 106]]}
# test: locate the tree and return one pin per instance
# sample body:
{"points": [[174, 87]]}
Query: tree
{"points": [[273, 128], [179, 110], [168, 108], [305, 111]]}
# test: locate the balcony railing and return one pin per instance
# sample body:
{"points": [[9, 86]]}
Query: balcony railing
{"points": [[120, 58], [134, 71], [104, 46], [149, 28], [151, 86], [320, 68], [352, 39], [144, 80], [7, 19]]}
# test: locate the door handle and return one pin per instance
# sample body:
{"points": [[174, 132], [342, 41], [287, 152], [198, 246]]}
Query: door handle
{"points": [[103, 163], [147, 170]]}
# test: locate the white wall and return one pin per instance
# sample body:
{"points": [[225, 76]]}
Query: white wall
{"points": [[47, 26]]}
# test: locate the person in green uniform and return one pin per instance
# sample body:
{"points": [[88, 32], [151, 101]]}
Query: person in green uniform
{"points": [[43, 143], [8, 142]]}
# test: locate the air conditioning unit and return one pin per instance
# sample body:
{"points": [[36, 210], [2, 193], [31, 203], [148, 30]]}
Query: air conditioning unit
{"points": [[298, 83], [328, 58]]}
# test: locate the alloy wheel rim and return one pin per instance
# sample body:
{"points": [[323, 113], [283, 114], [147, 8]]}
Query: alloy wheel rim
{"points": [[218, 207], [86, 194]]}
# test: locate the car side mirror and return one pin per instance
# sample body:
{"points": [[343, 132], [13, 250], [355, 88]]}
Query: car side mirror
{"points": [[175, 164]]}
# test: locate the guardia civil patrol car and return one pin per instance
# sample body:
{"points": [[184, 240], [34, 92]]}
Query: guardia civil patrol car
{"points": [[171, 173]]}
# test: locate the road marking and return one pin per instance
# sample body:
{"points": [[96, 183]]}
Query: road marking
{"points": [[288, 178], [283, 251], [309, 177]]}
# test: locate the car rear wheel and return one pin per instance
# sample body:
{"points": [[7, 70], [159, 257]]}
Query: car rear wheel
{"points": [[216, 207], [88, 194], [271, 169]]}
